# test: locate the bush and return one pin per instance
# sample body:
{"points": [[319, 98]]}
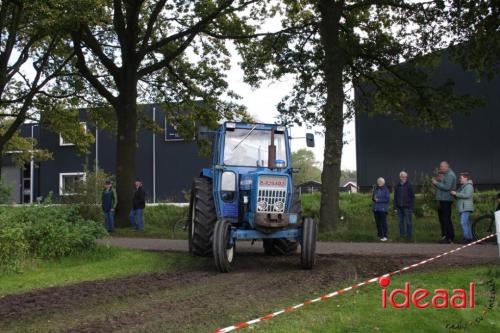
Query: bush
{"points": [[44, 232], [4, 193], [88, 194], [13, 247]]}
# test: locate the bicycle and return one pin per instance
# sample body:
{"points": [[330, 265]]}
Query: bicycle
{"points": [[180, 226], [484, 226]]}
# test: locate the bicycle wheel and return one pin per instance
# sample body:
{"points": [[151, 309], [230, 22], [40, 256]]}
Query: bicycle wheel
{"points": [[180, 227], [484, 226]]}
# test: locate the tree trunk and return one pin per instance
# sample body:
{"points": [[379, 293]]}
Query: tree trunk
{"points": [[332, 112], [126, 141]]}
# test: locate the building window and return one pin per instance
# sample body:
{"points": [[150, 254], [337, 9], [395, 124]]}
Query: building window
{"points": [[63, 142], [171, 132], [68, 182]]}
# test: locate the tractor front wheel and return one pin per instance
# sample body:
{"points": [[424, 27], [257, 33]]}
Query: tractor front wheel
{"points": [[202, 218], [222, 250], [308, 246]]}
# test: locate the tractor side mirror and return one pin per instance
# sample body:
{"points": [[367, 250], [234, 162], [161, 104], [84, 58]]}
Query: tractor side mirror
{"points": [[204, 134], [310, 140]]}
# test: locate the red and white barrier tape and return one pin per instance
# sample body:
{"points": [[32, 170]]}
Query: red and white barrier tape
{"points": [[341, 291]]}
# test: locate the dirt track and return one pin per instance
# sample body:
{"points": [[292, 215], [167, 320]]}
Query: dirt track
{"points": [[344, 248], [194, 298]]}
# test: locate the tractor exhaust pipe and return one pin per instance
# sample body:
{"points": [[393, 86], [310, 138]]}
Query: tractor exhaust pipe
{"points": [[271, 157]]}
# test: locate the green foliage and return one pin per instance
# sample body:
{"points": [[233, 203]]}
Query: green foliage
{"points": [[33, 56], [475, 35], [4, 193], [427, 196], [159, 222], [24, 147], [333, 43], [88, 194], [304, 160], [44, 232], [13, 247], [61, 119]]}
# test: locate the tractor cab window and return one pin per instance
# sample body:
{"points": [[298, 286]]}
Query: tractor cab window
{"points": [[247, 147]]}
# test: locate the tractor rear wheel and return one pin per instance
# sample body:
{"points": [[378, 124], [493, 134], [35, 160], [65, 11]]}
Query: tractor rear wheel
{"points": [[202, 218], [283, 246], [308, 246], [223, 252]]}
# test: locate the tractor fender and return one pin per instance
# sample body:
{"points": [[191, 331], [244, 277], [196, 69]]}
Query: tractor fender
{"points": [[206, 172]]}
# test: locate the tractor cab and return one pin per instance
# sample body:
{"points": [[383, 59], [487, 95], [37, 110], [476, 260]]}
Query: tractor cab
{"points": [[248, 190]]}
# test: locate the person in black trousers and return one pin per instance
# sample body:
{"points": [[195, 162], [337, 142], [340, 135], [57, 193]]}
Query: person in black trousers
{"points": [[139, 203], [404, 201], [380, 198], [445, 182]]}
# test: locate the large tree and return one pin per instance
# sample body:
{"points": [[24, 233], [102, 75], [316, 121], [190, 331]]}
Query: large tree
{"points": [[32, 56], [169, 52], [383, 48]]}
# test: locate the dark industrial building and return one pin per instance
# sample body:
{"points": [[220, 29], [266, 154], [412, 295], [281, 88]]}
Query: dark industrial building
{"points": [[166, 163], [384, 146]]}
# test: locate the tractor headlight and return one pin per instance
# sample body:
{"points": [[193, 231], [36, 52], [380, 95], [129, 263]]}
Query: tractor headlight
{"points": [[245, 182], [280, 164], [279, 206], [262, 206]]}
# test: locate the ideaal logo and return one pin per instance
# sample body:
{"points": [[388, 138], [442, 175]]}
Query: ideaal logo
{"points": [[421, 298], [441, 298]]}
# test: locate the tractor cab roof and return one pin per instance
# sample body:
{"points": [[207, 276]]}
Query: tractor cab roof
{"points": [[229, 125]]}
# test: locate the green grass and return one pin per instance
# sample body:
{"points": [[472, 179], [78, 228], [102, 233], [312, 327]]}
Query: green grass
{"points": [[357, 223], [101, 263], [360, 310], [159, 222]]}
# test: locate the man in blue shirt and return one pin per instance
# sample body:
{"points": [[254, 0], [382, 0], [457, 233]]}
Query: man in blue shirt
{"points": [[109, 201], [404, 201]]}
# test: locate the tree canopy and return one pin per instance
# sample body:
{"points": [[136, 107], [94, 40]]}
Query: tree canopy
{"points": [[32, 57], [385, 50], [168, 52]]}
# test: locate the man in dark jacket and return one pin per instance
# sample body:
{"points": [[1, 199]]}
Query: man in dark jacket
{"points": [[109, 200], [445, 182], [404, 201], [139, 203]]}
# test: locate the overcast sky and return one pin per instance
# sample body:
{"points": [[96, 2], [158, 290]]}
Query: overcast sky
{"points": [[261, 104]]}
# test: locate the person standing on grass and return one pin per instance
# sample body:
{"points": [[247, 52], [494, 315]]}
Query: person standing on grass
{"points": [[380, 200], [445, 183], [404, 201], [465, 204], [139, 203], [109, 200]]}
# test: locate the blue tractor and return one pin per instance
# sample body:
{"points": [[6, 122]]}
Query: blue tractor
{"points": [[247, 194]]}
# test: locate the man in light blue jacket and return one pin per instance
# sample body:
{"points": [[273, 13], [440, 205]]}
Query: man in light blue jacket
{"points": [[445, 183]]}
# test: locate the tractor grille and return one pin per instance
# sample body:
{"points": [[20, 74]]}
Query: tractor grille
{"points": [[271, 195]]}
